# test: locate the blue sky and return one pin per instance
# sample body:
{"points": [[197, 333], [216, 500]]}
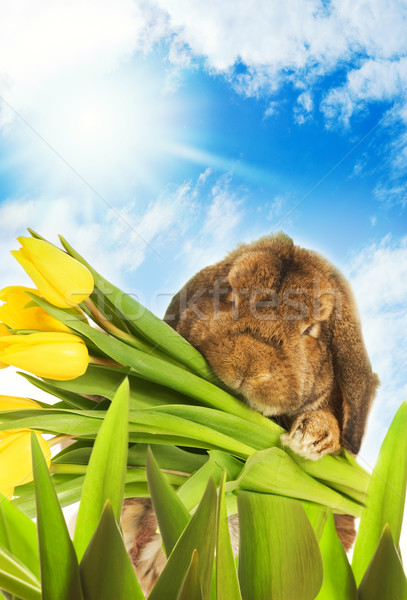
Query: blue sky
{"points": [[206, 124]]}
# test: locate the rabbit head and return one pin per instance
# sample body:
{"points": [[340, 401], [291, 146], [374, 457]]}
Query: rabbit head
{"points": [[278, 325]]}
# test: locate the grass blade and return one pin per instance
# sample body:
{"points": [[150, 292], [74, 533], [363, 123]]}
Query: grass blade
{"points": [[106, 472]]}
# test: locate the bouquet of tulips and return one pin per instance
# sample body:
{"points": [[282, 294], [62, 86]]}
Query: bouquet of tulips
{"points": [[176, 434]]}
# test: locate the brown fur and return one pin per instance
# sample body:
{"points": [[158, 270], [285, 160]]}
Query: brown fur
{"points": [[279, 326]]}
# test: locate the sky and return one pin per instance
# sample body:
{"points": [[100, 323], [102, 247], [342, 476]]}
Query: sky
{"points": [[155, 136]]}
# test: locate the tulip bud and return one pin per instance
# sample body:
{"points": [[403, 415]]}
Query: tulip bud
{"points": [[60, 356], [17, 315], [61, 279], [15, 449]]}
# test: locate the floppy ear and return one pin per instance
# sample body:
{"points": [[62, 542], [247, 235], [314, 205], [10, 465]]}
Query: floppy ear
{"points": [[352, 369]]}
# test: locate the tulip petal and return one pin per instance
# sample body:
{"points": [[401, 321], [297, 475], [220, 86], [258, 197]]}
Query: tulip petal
{"points": [[17, 315], [42, 284], [72, 280], [15, 459], [59, 361], [17, 403]]}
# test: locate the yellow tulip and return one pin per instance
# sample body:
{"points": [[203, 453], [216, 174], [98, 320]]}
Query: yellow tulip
{"points": [[15, 449], [17, 315], [59, 356], [3, 332], [61, 279]]}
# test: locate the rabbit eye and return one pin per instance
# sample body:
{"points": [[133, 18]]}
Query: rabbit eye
{"points": [[312, 330]]}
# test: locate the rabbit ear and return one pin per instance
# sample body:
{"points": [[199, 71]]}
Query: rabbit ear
{"points": [[353, 372]]}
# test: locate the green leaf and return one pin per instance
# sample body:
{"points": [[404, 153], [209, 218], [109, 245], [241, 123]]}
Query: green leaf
{"points": [[172, 516], [384, 578], [18, 587], [104, 381], [18, 534], [168, 457], [105, 477], [339, 582], [191, 587], [74, 400], [68, 490], [272, 471], [106, 569], [13, 566], [386, 494], [253, 435], [200, 535], [227, 585], [59, 565], [317, 516], [192, 490], [279, 555]]}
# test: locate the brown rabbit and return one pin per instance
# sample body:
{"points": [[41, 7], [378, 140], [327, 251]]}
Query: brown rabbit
{"points": [[279, 326]]}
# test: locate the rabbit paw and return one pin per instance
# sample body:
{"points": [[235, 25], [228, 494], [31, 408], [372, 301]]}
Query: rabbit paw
{"points": [[313, 434]]}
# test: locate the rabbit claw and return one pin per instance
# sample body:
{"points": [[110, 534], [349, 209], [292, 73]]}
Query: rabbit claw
{"points": [[313, 434]]}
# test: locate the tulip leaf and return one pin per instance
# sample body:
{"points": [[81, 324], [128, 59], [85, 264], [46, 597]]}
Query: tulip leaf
{"points": [[333, 469], [13, 566], [279, 554], [191, 491], [18, 534], [386, 494], [168, 457], [339, 582], [191, 586], [73, 400], [68, 492], [272, 471], [104, 382], [59, 566], [384, 577], [19, 588], [317, 516], [227, 585], [144, 322], [172, 516], [251, 434], [105, 477], [198, 535], [106, 569]]}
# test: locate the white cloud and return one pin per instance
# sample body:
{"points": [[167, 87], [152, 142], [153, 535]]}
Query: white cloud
{"points": [[304, 108], [223, 214]]}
